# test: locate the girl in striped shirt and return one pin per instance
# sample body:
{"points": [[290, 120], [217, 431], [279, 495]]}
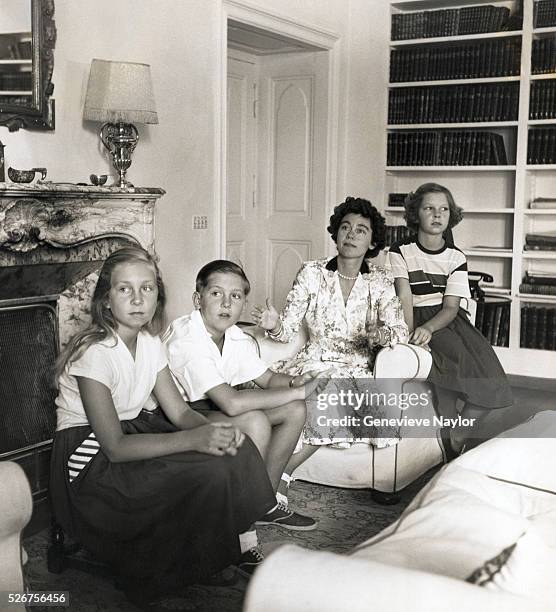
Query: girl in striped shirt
{"points": [[430, 275]]}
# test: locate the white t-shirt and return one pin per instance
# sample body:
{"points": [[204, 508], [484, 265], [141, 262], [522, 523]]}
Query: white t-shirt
{"points": [[196, 362], [110, 362]]}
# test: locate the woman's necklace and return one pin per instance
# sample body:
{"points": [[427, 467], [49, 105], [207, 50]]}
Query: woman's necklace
{"points": [[346, 277]]}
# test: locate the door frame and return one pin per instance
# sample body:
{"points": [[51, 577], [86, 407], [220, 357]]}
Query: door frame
{"points": [[277, 24]]}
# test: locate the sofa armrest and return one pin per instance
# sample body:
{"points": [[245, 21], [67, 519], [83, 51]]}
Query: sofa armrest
{"points": [[16, 505], [404, 361], [300, 580]]}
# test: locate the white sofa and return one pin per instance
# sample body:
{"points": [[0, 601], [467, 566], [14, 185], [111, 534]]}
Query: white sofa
{"points": [[16, 506], [363, 466], [501, 494]]}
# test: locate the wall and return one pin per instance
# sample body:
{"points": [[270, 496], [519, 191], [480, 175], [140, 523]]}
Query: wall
{"points": [[180, 40]]}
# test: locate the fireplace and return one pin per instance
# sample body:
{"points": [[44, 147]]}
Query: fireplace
{"points": [[53, 240]]}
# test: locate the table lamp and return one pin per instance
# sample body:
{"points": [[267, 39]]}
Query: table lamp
{"points": [[120, 94]]}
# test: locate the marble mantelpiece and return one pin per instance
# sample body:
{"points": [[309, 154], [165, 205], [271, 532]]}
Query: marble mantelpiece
{"points": [[55, 224]]}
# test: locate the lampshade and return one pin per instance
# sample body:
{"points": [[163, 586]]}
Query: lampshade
{"points": [[120, 91]]}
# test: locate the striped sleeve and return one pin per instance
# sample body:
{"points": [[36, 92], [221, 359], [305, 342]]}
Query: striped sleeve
{"points": [[398, 265], [458, 281]]}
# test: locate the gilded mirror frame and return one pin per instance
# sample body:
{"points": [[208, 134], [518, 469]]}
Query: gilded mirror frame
{"points": [[39, 113]]}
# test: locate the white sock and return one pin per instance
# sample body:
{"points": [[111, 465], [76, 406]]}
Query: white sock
{"points": [[248, 540], [282, 499], [287, 478]]}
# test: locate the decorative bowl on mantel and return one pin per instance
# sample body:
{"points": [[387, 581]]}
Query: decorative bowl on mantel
{"points": [[25, 176]]}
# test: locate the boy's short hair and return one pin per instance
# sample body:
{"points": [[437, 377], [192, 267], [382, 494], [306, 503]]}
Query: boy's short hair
{"points": [[222, 266]]}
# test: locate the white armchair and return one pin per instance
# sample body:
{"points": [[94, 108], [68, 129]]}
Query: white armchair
{"points": [[387, 469]]}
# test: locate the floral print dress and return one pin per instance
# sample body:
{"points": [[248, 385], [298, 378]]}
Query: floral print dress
{"points": [[337, 346]]}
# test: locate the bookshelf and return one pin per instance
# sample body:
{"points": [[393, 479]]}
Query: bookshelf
{"points": [[473, 90]]}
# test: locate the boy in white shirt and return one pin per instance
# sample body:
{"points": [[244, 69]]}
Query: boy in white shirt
{"points": [[209, 356]]}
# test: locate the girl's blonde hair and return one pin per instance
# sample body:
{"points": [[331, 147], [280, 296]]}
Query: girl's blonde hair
{"points": [[103, 325]]}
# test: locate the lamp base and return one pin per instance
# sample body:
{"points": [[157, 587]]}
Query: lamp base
{"points": [[120, 139]]}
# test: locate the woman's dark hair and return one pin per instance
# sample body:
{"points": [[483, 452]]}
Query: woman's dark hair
{"points": [[103, 325], [362, 207], [224, 267], [414, 199]]}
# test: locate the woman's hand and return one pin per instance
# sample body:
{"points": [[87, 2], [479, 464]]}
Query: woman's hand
{"points": [[216, 439], [372, 330], [267, 318], [421, 336]]}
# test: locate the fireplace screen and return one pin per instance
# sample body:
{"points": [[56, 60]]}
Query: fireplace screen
{"points": [[28, 350]]}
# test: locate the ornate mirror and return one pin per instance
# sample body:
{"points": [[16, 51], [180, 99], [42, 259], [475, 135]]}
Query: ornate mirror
{"points": [[27, 38]]}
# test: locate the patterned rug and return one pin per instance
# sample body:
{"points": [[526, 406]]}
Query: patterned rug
{"points": [[345, 518]]}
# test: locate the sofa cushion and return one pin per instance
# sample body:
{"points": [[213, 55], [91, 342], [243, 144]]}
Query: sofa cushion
{"points": [[523, 455], [460, 519], [299, 580], [528, 571]]}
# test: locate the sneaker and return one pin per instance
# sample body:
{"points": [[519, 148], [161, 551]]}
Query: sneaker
{"points": [[282, 517], [250, 561]]}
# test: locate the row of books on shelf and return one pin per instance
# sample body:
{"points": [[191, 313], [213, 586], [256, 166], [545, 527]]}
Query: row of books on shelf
{"points": [[541, 145], [395, 233], [544, 13], [492, 58], [538, 283], [454, 104], [540, 241], [538, 327], [543, 55], [450, 22], [15, 81], [492, 319], [542, 102], [445, 148]]}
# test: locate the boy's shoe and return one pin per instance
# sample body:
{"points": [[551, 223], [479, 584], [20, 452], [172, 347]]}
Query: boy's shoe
{"points": [[250, 561], [288, 519]]}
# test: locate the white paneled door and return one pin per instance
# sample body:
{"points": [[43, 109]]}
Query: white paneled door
{"points": [[276, 168]]}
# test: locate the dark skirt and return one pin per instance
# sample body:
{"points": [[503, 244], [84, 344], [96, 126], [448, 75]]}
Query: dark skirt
{"points": [[465, 362], [166, 522]]}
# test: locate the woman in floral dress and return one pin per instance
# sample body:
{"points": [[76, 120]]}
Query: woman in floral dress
{"points": [[349, 308]]}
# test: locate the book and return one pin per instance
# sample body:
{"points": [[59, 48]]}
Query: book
{"points": [[543, 203], [539, 247], [499, 308], [524, 315], [551, 329], [537, 289], [541, 238], [504, 333], [542, 279], [540, 339], [396, 199]]}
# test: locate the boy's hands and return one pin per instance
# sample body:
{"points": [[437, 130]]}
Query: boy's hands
{"points": [[217, 439], [267, 318], [310, 382]]}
